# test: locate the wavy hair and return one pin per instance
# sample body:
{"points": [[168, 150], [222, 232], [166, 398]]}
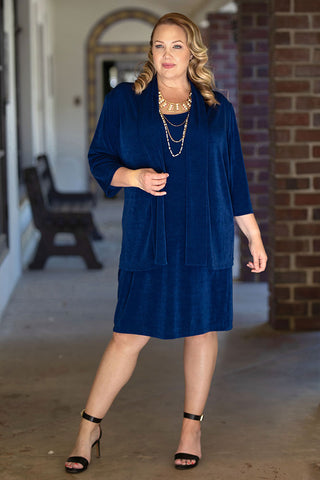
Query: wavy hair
{"points": [[197, 72]]}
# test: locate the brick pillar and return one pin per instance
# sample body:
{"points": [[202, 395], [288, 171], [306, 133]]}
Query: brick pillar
{"points": [[253, 44], [223, 52], [295, 142]]}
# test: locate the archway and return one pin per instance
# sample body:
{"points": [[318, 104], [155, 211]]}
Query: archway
{"points": [[97, 48]]}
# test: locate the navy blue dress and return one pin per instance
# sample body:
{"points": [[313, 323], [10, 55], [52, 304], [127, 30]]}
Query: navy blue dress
{"points": [[174, 300]]}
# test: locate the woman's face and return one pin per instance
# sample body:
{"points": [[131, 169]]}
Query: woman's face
{"points": [[170, 53]]}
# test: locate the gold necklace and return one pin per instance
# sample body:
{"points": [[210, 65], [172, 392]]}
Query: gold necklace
{"points": [[172, 106]]}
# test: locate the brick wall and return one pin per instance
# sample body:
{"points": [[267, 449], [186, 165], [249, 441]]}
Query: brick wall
{"points": [[295, 145], [223, 52], [253, 44]]}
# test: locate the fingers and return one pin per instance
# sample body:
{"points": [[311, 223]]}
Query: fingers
{"points": [[258, 265], [152, 182]]}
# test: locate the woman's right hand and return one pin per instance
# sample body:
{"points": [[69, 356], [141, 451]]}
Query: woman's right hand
{"points": [[150, 181]]}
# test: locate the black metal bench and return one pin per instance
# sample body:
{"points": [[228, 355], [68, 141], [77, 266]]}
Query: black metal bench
{"points": [[58, 216]]}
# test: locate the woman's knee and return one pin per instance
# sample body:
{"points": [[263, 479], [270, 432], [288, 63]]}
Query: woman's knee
{"points": [[131, 343], [208, 337]]}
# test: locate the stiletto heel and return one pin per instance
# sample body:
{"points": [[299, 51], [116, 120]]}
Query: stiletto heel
{"points": [[82, 460], [188, 456]]}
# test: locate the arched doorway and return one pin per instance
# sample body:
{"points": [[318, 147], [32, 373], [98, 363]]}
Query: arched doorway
{"points": [[104, 50]]}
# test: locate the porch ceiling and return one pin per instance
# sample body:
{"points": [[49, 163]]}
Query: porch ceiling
{"points": [[196, 9]]}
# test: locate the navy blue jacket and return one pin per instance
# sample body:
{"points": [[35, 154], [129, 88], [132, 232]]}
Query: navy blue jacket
{"points": [[129, 134]]}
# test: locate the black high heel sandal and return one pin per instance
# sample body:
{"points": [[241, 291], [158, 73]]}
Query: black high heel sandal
{"points": [[188, 456], [83, 461]]}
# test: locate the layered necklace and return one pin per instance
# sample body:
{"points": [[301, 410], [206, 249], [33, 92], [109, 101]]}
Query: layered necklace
{"points": [[171, 106]]}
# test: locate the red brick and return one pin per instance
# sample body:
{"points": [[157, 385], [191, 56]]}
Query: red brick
{"points": [[263, 123], [282, 293], [296, 308], [316, 308], [255, 33], [255, 137], [282, 70], [316, 151], [282, 136], [292, 151], [262, 20], [306, 261], [280, 323], [307, 229], [296, 183], [280, 230], [304, 6], [316, 183], [316, 55], [316, 245], [307, 38], [247, 98], [291, 21], [307, 293], [289, 214], [292, 119], [316, 86], [316, 277], [259, 189], [283, 103], [282, 168], [292, 86], [316, 214], [307, 199], [308, 135], [282, 199], [282, 261], [308, 167], [257, 85], [316, 119], [307, 323], [255, 7], [292, 246], [254, 59], [293, 54], [262, 46], [264, 149], [282, 6], [282, 38], [308, 103], [307, 70], [316, 21], [290, 277]]}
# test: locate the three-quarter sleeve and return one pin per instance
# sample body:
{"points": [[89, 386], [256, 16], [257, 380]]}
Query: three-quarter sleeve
{"points": [[239, 190], [103, 154]]}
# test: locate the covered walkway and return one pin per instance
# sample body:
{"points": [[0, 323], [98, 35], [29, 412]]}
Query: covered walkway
{"points": [[262, 418]]}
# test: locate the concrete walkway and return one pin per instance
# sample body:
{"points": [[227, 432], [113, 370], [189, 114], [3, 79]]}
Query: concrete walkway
{"points": [[262, 417]]}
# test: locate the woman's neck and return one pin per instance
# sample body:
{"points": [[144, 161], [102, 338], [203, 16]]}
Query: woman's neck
{"points": [[174, 90]]}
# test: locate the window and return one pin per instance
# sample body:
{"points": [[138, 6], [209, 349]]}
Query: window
{"points": [[3, 169]]}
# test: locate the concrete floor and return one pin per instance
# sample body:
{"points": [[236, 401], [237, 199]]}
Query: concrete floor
{"points": [[262, 417]]}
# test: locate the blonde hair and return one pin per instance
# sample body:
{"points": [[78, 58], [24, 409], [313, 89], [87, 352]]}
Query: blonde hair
{"points": [[197, 72]]}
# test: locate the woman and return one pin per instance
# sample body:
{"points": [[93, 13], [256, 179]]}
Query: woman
{"points": [[173, 144]]}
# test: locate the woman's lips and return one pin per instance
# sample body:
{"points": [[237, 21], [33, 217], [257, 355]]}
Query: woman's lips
{"points": [[168, 65]]}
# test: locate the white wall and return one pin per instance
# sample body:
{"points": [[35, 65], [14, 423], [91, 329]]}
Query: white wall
{"points": [[10, 268], [35, 18], [37, 109]]}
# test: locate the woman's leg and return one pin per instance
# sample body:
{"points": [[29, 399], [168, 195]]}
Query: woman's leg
{"points": [[116, 367], [200, 354]]}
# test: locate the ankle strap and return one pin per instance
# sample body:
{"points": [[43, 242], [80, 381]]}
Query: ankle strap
{"points": [[193, 417], [90, 418]]}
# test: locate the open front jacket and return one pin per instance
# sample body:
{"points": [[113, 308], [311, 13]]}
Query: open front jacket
{"points": [[129, 134]]}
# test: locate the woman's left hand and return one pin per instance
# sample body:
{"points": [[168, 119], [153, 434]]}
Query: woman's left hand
{"points": [[259, 256]]}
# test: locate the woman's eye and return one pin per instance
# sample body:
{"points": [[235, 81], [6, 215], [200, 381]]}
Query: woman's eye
{"points": [[158, 46], [177, 46]]}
